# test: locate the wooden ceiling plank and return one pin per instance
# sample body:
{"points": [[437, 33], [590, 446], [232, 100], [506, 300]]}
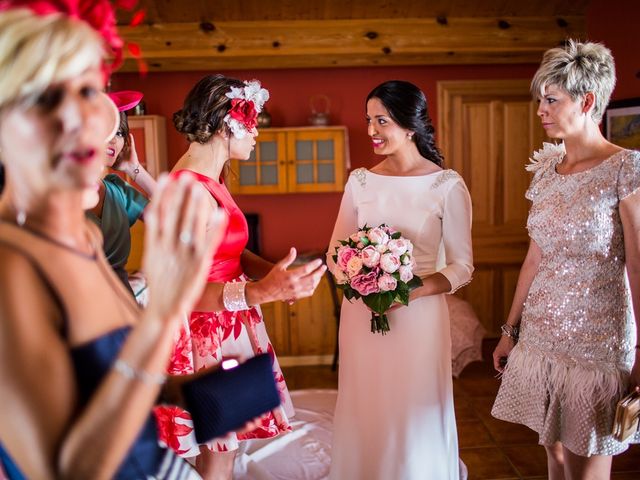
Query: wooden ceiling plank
{"points": [[288, 44], [163, 11]]}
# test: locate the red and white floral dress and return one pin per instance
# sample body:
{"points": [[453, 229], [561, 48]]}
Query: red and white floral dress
{"points": [[210, 337]]}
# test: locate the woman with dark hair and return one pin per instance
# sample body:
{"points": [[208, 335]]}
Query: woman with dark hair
{"points": [[219, 119], [394, 415], [120, 205]]}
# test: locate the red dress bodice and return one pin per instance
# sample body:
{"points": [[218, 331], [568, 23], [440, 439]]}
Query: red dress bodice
{"points": [[225, 265]]}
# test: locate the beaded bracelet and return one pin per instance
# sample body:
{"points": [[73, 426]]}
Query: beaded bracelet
{"points": [[510, 331], [136, 171], [233, 296], [127, 371]]}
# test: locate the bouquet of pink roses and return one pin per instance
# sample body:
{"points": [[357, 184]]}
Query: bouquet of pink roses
{"points": [[376, 264]]}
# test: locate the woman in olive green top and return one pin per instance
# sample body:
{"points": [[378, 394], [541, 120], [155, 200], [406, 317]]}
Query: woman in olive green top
{"points": [[121, 205]]}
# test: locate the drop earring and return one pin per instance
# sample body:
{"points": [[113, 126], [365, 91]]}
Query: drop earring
{"points": [[21, 218]]}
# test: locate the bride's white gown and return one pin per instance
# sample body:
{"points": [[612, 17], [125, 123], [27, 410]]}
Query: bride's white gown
{"points": [[394, 417]]}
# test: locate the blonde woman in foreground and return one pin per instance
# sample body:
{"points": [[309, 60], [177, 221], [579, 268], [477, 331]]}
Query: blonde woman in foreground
{"points": [[80, 365]]}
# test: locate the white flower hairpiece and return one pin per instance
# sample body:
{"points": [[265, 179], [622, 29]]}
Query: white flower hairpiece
{"points": [[246, 103]]}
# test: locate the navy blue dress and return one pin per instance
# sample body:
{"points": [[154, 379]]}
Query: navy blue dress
{"points": [[146, 458]]}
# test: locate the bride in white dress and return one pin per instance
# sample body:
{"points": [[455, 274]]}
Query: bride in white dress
{"points": [[394, 416]]}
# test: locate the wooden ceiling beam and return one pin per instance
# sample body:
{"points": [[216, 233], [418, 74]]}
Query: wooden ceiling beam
{"points": [[341, 43]]}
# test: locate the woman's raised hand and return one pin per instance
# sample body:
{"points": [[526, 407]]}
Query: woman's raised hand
{"points": [[178, 246], [128, 165], [287, 285]]}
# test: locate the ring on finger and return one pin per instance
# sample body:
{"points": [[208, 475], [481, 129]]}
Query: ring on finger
{"points": [[185, 237]]}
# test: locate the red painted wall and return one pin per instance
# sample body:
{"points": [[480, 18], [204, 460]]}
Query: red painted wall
{"points": [[306, 220], [615, 23]]}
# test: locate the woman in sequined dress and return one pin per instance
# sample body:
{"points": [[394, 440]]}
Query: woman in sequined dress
{"points": [[576, 355]]}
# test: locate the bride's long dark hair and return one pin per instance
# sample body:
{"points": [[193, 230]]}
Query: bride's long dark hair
{"points": [[407, 106]]}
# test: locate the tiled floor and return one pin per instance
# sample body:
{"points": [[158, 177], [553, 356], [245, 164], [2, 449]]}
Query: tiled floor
{"points": [[490, 448]]}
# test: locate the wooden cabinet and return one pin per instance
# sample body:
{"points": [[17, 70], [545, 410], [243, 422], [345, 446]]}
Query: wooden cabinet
{"points": [[304, 333], [149, 133], [293, 160]]}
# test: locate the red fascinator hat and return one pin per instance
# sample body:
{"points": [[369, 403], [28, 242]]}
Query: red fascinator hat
{"points": [[125, 99], [99, 14]]}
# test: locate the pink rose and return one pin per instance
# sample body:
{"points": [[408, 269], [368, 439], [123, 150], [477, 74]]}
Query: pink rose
{"points": [[354, 265], [378, 236], [365, 284], [345, 254], [406, 274], [398, 246], [389, 262], [387, 283], [370, 256], [381, 248]]}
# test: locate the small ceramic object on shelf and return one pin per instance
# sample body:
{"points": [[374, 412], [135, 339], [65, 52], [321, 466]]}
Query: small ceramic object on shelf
{"points": [[320, 105], [139, 109], [264, 119]]}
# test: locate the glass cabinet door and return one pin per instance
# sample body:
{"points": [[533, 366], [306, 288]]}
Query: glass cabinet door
{"points": [[265, 170], [313, 160]]}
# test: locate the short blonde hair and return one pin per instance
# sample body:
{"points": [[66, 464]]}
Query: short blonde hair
{"points": [[578, 68], [39, 50]]}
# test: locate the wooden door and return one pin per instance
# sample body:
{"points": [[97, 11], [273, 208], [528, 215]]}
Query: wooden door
{"points": [[487, 131]]}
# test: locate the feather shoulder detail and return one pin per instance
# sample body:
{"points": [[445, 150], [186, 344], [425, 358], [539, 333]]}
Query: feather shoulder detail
{"points": [[550, 153]]}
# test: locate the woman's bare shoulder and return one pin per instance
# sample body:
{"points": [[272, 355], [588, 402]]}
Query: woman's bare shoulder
{"points": [[24, 292]]}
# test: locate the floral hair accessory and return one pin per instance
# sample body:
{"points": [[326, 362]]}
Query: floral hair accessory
{"points": [[246, 103], [100, 16]]}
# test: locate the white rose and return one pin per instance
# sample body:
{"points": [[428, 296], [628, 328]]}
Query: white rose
{"points": [[389, 263], [354, 265], [409, 246], [398, 246], [406, 274], [378, 236], [370, 256], [405, 259]]}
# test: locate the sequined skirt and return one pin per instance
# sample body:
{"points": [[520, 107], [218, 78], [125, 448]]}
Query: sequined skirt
{"points": [[563, 400]]}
